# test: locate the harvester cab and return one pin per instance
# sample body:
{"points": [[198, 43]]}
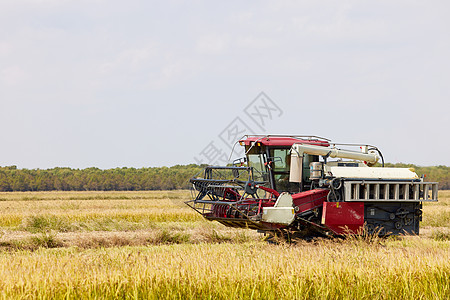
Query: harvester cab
{"points": [[307, 186], [270, 160]]}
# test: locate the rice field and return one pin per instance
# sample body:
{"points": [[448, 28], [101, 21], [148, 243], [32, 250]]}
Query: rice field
{"points": [[134, 245]]}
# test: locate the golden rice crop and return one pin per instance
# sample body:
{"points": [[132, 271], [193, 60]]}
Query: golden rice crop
{"points": [[326, 270], [131, 245]]}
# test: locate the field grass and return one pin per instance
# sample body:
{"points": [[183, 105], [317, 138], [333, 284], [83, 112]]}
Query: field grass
{"points": [[130, 245]]}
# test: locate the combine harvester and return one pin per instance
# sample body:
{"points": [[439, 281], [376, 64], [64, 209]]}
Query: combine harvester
{"points": [[290, 185]]}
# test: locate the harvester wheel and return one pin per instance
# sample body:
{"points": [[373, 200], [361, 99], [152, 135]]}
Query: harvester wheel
{"points": [[401, 212], [370, 228], [279, 236]]}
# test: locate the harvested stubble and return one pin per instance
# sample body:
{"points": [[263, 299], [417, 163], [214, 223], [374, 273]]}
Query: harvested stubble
{"points": [[84, 211]]}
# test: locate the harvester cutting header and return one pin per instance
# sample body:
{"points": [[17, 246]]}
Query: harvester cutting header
{"points": [[308, 186]]}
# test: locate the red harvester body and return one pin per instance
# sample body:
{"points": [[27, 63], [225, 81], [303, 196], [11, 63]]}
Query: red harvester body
{"points": [[289, 184]]}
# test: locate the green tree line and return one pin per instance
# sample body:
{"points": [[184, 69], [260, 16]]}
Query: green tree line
{"points": [[132, 179], [95, 179], [439, 174]]}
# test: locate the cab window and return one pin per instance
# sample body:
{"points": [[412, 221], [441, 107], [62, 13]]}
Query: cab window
{"points": [[281, 160], [256, 161]]}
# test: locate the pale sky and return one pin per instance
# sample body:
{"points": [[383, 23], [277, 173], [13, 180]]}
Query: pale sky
{"points": [[153, 83]]}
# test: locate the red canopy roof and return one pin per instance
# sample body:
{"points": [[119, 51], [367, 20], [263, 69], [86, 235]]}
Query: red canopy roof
{"points": [[283, 141]]}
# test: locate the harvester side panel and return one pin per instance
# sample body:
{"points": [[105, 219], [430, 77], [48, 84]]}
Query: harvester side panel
{"points": [[343, 217], [308, 200]]}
